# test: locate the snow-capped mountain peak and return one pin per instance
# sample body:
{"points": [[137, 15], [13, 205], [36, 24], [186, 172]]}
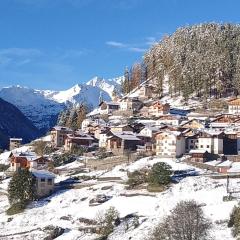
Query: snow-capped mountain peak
{"points": [[43, 106], [107, 85]]}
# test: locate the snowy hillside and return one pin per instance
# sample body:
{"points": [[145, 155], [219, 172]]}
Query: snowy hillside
{"points": [[66, 208], [33, 104], [43, 106]]}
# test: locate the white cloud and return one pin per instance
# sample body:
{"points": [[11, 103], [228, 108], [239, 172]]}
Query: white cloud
{"points": [[20, 52], [128, 47], [116, 44], [136, 49]]}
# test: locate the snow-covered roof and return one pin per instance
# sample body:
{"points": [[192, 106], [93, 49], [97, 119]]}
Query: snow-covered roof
{"points": [[60, 128], [42, 174], [197, 151], [120, 126], [175, 133], [15, 139], [151, 128], [226, 163], [213, 163], [213, 131], [95, 111], [235, 167], [112, 103], [30, 156], [126, 136], [80, 137]]}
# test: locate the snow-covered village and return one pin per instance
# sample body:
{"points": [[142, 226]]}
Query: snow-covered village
{"points": [[152, 153]]}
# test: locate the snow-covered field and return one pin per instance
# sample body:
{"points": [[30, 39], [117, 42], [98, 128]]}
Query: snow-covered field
{"points": [[74, 204]]}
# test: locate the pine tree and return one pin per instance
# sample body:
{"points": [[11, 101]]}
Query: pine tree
{"points": [[72, 120], [126, 82], [199, 60], [21, 187], [159, 174]]}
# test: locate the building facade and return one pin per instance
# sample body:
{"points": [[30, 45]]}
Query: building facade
{"points": [[170, 144]]}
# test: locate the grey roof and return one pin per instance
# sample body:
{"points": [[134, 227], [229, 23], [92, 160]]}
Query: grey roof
{"points": [[126, 136], [42, 174], [30, 156]]}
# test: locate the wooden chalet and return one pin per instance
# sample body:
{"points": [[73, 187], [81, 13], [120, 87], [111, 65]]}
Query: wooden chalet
{"points": [[120, 142]]}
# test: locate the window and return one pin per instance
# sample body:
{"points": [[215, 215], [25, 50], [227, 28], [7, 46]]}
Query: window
{"points": [[49, 181], [207, 146], [201, 146], [42, 179]]}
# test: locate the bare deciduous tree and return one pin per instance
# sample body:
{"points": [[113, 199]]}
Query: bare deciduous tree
{"points": [[186, 222]]}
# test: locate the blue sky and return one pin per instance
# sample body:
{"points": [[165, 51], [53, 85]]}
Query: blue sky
{"points": [[54, 44]]}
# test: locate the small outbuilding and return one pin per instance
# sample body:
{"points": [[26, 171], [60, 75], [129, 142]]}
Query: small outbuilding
{"points": [[44, 182]]}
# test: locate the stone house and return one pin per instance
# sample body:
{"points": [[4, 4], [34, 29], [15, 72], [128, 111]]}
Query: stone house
{"points": [[146, 91], [77, 140], [108, 107], [14, 143], [59, 135], [130, 104]]}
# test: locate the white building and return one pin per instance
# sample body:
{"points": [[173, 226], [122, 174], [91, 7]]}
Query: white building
{"points": [[148, 131], [211, 141], [234, 106], [85, 123], [170, 144], [103, 137]]}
